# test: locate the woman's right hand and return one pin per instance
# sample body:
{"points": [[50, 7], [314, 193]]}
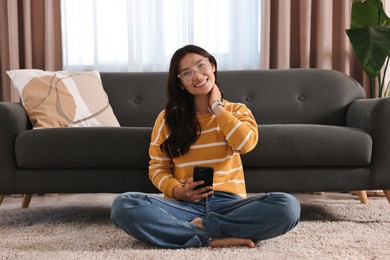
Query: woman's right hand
{"points": [[188, 193]]}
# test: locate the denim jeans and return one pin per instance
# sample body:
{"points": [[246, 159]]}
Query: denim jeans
{"points": [[166, 223]]}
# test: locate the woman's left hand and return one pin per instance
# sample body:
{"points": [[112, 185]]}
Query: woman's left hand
{"points": [[215, 94]]}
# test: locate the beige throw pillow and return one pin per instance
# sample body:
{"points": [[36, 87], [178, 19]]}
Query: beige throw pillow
{"points": [[63, 99]]}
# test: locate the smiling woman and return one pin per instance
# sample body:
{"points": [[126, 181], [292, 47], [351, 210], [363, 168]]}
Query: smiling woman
{"points": [[127, 35]]}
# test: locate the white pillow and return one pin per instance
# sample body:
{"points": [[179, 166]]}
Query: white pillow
{"points": [[63, 99]]}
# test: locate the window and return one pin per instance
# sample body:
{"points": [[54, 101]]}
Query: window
{"points": [[142, 35]]}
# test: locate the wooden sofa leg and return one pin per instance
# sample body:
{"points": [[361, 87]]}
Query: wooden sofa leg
{"points": [[362, 196], [1, 198], [387, 194], [26, 200]]}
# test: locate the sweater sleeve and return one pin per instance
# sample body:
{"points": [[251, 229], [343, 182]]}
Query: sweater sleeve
{"points": [[239, 127], [160, 164]]}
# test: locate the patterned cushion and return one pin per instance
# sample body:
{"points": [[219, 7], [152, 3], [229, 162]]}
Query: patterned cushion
{"points": [[63, 99]]}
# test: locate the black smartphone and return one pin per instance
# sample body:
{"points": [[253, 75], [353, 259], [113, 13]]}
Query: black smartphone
{"points": [[205, 174]]}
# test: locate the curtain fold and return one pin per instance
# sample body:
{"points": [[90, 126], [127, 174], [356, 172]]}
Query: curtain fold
{"points": [[309, 34], [30, 37]]}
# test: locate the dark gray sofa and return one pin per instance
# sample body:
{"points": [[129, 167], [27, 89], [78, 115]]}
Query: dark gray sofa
{"points": [[316, 133]]}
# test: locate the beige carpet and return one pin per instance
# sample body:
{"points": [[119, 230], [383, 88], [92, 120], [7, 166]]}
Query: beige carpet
{"points": [[330, 229]]}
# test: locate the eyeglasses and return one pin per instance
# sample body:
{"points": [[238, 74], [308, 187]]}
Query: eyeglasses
{"points": [[200, 67]]}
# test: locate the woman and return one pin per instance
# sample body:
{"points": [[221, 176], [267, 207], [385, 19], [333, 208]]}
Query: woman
{"points": [[196, 128]]}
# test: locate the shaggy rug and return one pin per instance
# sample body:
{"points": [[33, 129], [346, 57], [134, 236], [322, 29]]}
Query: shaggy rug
{"points": [[329, 229]]}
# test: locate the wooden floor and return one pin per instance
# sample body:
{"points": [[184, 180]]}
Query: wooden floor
{"points": [[53, 199]]}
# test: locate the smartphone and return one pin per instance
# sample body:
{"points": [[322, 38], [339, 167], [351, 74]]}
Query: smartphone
{"points": [[205, 174]]}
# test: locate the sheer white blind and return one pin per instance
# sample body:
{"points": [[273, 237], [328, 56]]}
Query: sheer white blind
{"points": [[142, 35]]}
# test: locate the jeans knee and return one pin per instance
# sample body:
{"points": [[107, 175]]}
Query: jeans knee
{"points": [[122, 203], [116, 208], [290, 208]]}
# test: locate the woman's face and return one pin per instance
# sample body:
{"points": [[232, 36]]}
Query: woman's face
{"points": [[196, 74]]}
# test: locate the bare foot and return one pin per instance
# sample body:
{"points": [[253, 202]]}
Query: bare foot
{"points": [[227, 241], [198, 222], [231, 241]]}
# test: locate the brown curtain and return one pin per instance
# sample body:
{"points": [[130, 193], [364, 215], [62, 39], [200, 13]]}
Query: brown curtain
{"points": [[30, 38], [309, 34]]}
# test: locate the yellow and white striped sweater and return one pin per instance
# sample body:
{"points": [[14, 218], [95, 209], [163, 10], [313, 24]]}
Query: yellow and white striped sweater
{"points": [[221, 141]]}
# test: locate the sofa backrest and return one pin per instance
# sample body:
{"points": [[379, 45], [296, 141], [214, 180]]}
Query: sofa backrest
{"points": [[136, 98], [291, 96]]}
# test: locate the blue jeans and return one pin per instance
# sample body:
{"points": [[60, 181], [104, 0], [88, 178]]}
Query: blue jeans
{"points": [[166, 223]]}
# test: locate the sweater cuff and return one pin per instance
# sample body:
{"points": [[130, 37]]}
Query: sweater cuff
{"points": [[172, 183]]}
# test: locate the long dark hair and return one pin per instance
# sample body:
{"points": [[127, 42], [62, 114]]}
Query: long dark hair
{"points": [[179, 111]]}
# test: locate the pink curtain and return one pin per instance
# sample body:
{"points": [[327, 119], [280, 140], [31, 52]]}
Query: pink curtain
{"points": [[30, 37], [309, 34]]}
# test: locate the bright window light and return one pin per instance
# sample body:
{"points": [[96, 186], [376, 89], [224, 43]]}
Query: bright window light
{"points": [[142, 35]]}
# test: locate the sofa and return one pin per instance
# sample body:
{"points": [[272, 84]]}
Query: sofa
{"points": [[317, 132]]}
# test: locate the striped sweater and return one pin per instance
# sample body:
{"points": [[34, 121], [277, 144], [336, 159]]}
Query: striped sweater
{"points": [[221, 141]]}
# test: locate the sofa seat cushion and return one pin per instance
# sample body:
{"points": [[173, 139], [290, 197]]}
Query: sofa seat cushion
{"points": [[128, 147], [310, 145], [89, 147]]}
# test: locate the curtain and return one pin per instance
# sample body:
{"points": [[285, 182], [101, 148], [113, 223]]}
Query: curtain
{"points": [[142, 35], [309, 34], [386, 5], [30, 37]]}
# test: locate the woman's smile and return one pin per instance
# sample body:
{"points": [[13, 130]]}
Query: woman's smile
{"points": [[202, 83]]}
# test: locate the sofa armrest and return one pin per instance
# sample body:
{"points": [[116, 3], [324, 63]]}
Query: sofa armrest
{"points": [[373, 115], [13, 120]]}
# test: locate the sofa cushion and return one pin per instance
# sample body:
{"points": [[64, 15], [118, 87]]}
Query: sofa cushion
{"points": [[310, 145], [289, 96], [87, 147], [292, 96], [127, 147], [63, 99]]}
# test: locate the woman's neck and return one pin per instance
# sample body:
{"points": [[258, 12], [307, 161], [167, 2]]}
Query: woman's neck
{"points": [[202, 105]]}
